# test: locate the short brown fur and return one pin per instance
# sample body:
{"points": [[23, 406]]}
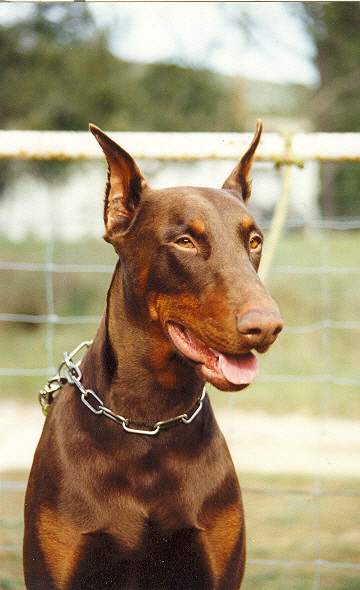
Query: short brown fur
{"points": [[107, 509]]}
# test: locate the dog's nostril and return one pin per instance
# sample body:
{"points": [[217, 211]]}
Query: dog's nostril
{"points": [[277, 330], [254, 331]]}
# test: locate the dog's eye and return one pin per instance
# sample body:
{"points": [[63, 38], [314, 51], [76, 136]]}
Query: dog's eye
{"points": [[184, 242], [255, 242]]}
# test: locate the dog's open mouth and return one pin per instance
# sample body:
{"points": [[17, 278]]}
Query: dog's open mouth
{"points": [[220, 369]]}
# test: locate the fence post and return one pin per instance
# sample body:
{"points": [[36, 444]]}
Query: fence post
{"points": [[279, 217]]}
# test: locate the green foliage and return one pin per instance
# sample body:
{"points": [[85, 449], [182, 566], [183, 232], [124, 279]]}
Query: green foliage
{"points": [[58, 73], [348, 187], [37, 56], [185, 99], [334, 27]]}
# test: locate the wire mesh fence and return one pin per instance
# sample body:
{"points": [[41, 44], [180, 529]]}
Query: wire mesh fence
{"points": [[301, 492]]}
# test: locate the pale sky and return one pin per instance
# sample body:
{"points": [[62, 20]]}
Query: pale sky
{"points": [[203, 34]]}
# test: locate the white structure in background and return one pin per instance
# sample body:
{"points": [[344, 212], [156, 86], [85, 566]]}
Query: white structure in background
{"points": [[74, 209], [65, 211], [266, 184]]}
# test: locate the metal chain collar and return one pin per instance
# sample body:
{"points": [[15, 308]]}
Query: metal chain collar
{"points": [[89, 397]]}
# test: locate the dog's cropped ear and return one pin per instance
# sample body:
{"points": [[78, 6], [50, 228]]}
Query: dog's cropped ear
{"points": [[239, 178], [124, 185]]}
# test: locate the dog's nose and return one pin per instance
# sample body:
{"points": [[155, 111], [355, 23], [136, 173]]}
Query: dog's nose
{"points": [[259, 329]]}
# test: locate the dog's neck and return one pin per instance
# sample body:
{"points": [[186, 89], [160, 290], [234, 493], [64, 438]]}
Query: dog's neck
{"points": [[135, 370]]}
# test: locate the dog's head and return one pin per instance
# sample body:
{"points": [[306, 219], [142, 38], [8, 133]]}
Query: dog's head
{"points": [[189, 259]]}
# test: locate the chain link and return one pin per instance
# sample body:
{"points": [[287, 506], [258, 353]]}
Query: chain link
{"points": [[95, 404], [46, 395]]}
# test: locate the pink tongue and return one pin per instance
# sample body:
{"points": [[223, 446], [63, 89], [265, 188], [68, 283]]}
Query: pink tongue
{"points": [[240, 370]]}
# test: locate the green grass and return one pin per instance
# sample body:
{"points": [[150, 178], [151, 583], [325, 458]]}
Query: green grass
{"points": [[301, 528]]}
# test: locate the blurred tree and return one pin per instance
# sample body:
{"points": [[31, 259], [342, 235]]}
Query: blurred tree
{"points": [[185, 100], [43, 56], [57, 70], [334, 27], [58, 73]]}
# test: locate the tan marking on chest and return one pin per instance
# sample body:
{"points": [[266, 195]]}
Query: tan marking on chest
{"points": [[61, 544], [221, 535]]}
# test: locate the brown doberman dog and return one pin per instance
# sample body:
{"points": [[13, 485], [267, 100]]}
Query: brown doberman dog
{"points": [[149, 499]]}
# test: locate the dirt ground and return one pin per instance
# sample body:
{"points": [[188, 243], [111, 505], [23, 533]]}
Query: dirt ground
{"points": [[259, 443]]}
